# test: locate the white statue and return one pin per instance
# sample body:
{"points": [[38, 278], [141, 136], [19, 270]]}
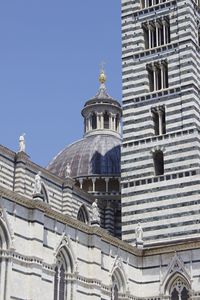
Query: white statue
{"points": [[38, 184], [68, 170], [95, 211], [22, 145], [139, 233]]}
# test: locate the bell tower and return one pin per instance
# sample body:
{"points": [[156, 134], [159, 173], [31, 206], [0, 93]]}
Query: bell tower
{"points": [[161, 152]]}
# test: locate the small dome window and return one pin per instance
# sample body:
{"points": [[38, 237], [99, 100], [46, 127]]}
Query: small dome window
{"points": [[106, 120], [94, 121]]}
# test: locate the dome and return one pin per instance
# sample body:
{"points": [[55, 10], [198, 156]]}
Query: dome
{"points": [[98, 153], [92, 155]]}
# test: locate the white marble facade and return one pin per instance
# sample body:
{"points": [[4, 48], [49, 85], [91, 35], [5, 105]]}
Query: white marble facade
{"points": [[48, 254], [52, 244]]}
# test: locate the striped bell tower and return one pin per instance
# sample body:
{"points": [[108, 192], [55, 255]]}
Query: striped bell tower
{"points": [[161, 111]]}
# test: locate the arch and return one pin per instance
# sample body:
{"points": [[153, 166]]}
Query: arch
{"points": [[178, 287], [94, 121], [106, 120], [87, 185], [44, 193], [100, 185], [83, 214], [64, 270], [6, 232], [4, 237], [6, 244], [118, 283]]}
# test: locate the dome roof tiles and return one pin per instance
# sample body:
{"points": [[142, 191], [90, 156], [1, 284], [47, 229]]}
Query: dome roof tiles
{"points": [[92, 155]]}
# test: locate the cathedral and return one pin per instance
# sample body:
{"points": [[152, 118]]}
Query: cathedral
{"points": [[116, 214]]}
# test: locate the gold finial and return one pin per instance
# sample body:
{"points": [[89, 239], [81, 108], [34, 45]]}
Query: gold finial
{"points": [[102, 75]]}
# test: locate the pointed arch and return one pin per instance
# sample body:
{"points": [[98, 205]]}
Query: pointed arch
{"points": [[4, 237], [176, 284], [176, 266], [6, 244], [178, 287], [44, 193], [118, 284], [6, 232], [118, 279], [65, 268], [83, 214]]}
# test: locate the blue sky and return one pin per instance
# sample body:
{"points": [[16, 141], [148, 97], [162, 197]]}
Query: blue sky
{"points": [[50, 55]]}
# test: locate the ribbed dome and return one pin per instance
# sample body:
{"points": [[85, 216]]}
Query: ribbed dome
{"points": [[92, 155]]}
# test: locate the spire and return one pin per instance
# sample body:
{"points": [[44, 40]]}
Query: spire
{"points": [[102, 77]]}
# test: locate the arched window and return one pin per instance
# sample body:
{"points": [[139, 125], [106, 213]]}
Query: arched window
{"points": [[83, 215], [64, 266], [106, 120], [118, 284], [44, 193], [94, 121], [115, 290], [4, 261], [158, 160], [179, 289]]}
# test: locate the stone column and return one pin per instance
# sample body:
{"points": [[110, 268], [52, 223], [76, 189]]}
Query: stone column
{"points": [[110, 121], [154, 77], [149, 35], [101, 120], [164, 32], [162, 76], [87, 124], [81, 183], [93, 184], [98, 121], [157, 34], [160, 120], [107, 181]]}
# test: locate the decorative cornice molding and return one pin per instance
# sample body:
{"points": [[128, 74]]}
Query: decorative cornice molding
{"points": [[101, 233]]}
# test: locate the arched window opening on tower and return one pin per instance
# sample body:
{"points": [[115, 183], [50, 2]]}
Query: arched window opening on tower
{"points": [[159, 120], [106, 120], [94, 121], [149, 3], [158, 76], [156, 32], [158, 160], [179, 289]]}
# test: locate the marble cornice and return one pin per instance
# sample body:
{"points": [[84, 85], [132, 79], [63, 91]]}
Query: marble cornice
{"points": [[174, 246], [11, 154], [65, 219]]}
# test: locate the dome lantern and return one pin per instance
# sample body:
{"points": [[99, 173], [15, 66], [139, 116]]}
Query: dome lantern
{"points": [[102, 114]]}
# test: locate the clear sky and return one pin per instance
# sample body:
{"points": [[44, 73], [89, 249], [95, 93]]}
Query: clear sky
{"points": [[50, 55]]}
